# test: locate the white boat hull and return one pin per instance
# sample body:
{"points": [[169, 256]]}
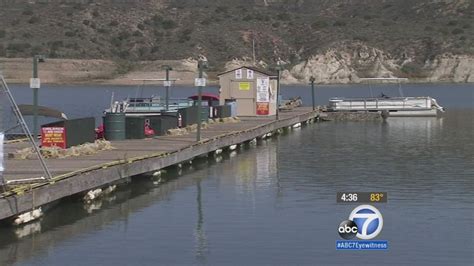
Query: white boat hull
{"points": [[397, 107]]}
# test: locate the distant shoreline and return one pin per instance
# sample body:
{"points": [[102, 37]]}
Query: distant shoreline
{"points": [[106, 72]]}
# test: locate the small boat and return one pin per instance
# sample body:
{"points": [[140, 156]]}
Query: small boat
{"points": [[395, 106], [151, 106]]}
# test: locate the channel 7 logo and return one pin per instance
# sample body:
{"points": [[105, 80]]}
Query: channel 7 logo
{"points": [[365, 222]]}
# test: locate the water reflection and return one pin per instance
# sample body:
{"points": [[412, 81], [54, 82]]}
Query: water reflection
{"points": [[72, 218]]}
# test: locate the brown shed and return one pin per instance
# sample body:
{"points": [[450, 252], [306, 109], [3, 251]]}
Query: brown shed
{"points": [[253, 89]]}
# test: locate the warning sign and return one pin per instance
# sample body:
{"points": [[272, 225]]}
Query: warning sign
{"points": [[263, 90], [53, 137], [244, 86], [263, 108]]}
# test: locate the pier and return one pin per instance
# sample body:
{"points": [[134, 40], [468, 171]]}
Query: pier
{"points": [[73, 175]]}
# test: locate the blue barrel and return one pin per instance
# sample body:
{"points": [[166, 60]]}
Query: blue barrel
{"points": [[233, 107], [114, 126]]}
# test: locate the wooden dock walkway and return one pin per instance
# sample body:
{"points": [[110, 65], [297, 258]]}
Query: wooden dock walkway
{"points": [[128, 158]]}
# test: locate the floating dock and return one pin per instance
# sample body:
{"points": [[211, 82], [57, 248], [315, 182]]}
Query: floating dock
{"points": [[73, 175]]}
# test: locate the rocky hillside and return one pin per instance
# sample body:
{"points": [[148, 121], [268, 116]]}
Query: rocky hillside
{"points": [[333, 40]]}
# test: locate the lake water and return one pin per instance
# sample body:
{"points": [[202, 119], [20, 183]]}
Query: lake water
{"points": [[275, 204]]}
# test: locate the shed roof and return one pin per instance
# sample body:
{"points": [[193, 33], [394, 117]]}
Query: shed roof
{"points": [[261, 71]]}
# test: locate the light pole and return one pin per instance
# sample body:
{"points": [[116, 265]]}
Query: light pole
{"points": [[167, 85], [278, 68], [312, 80], [200, 82], [35, 85]]}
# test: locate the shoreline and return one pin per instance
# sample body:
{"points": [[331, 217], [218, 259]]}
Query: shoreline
{"points": [[117, 73]]}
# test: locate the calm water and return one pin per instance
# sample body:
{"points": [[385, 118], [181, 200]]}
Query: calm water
{"points": [[275, 204]]}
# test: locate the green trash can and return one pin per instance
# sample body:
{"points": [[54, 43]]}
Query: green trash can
{"points": [[135, 127], [114, 126]]}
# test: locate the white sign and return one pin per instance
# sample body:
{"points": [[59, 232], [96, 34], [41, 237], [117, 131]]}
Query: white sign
{"points": [[249, 74], [238, 74], [1, 153], [167, 83], [263, 90], [200, 82], [35, 83]]}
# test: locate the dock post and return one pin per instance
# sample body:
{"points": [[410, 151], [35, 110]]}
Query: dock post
{"points": [[312, 79], [167, 87], [201, 66]]}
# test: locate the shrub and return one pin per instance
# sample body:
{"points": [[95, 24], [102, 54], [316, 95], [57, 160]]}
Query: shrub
{"points": [[319, 24], [113, 23], [103, 31], [123, 35], [206, 21], [86, 22], [222, 9], [3, 52], [34, 20], [283, 16], [140, 26], [413, 69], [339, 23], [56, 44], [429, 28], [18, 47], [3, 33], [95, 13], [457, 31], [27, 12], [137, 33], [168, 24], [70, 34], [452, 23]]}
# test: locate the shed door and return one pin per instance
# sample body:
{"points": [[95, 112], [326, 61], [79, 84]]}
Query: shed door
{"points": [[244, 92], [246, 107]]}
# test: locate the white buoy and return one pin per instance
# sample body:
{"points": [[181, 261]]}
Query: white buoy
{"points": [[92, 195], [297, 125], [253, 141], [269, 134], [157, 173], [28, 216], [232, 147], [93, 206], [110, 189], [218, 151], [28, 229]]}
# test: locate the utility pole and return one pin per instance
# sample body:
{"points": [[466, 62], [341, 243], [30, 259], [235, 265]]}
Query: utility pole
{"points": [[167, 83], [200, 83], [278, 93], [35, 85], [312, 80]]}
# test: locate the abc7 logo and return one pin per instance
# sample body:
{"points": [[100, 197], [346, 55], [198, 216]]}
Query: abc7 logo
{"points": [[365, 222]]}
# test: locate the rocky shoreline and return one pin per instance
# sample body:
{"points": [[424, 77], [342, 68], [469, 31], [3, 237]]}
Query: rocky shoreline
{"points": [[333, 67]]}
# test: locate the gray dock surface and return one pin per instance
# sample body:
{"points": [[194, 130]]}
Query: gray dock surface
{"points": [[128, 158]]}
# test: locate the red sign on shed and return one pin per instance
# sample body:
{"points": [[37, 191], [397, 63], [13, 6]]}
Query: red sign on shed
{"points": [[53, 137]]}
